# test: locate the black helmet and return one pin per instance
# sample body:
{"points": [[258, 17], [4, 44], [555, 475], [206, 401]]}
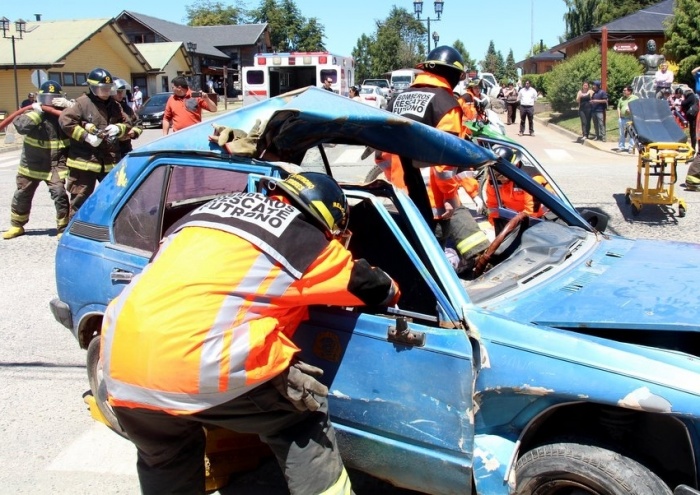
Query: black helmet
{"points": [[507, 153], [444, 56], [98, 79], [319, 197], [48, 91]]}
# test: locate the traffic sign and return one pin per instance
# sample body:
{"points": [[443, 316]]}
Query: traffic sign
{"points": [[39, 77]]}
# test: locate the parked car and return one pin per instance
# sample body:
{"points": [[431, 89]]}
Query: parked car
{"points": [[151, 113], [569, 366], [384, 84], [373, 96]]}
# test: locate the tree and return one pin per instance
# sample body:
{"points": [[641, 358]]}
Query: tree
{"points": [[683, 38], [289, 30], [510, 71], [609, 10], [469, 63], [208, 13], [491, 62], [363, 59], [579, 18]]}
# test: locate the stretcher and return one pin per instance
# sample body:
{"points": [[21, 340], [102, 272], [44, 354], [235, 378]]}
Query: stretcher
{"points": [[661, 145]]}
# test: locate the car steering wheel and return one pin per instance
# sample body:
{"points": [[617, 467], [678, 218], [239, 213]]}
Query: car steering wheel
{"points": [[485, 257]]}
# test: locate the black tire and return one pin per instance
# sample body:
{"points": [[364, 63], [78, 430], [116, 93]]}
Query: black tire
{"points": [[374, 174], [574, 469], [97, 386]]}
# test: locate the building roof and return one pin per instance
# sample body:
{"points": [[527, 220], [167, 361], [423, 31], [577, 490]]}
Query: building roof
{"points": [[158, 55], [650, 19], [207, 38], [49, 43]]}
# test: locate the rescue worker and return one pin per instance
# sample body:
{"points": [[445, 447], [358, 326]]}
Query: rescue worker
{"points": [[473, 103], [512, 197], [224, 318], [121, 88], [43, 159], [94, 124], [430, 100]]}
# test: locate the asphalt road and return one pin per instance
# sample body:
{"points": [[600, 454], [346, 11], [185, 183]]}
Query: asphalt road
{"points": [[50, 444]]}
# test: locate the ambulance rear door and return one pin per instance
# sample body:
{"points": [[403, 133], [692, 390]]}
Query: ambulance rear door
{"points": [[256, 84]]}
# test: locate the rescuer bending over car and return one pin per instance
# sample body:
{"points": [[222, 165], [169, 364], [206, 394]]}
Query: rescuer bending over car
{"points": [[203, 335]]}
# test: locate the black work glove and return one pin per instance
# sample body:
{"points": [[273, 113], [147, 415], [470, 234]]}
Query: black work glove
{"points": [[298, 385]]}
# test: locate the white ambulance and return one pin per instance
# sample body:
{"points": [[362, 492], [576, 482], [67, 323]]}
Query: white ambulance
{"points": [[275, 73]]}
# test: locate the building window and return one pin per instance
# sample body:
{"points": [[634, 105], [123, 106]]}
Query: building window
{"points": [[68, 79], [165, 86], [80, 79], [56, 76]]}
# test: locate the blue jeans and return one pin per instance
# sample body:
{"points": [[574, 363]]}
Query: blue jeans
{"points": [[623, 127]]}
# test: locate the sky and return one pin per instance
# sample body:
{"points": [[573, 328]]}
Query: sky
{"points": [[510, 24]]}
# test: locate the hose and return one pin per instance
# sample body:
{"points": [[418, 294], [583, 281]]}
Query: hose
{"points": [[13, 115]]}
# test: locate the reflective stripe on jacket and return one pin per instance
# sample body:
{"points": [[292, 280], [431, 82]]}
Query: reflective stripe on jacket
{"points": [[45, 146], [212, 316]]}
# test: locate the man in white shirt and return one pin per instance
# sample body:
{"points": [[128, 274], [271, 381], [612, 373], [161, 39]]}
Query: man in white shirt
{"points": [[527, 97], [137, 99]]}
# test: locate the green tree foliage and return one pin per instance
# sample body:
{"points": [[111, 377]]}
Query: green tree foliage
{"points": [[491, 62], [579, 18], [289, 30], [537, 48], [363, 59], [564, 81], [208, 13], [469, 62], [510, 71], [683, 38]]}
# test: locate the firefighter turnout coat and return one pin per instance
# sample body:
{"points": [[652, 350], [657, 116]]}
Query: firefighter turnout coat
{"points": [[45, 146], [89, 111], [212, 316]]}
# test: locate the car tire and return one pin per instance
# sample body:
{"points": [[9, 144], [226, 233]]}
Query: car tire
{"points": [[573, 468], [374, 174], [97, 385]]}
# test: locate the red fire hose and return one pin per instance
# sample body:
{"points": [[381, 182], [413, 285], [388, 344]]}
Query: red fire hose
{"points": [[13, 115]]}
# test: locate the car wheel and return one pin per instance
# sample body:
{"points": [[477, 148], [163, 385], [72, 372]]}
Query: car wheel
{"points": [[97, 385], [574, 469]]}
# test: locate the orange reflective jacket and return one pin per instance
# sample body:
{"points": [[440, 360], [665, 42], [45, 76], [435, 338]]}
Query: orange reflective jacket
{"points": [[212, 316], [512, 197]]}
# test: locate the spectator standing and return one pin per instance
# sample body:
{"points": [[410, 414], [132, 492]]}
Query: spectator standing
{"points": [[210, 85], [583, 97], [183, 108], [31, 98], [510, 94], [122, 89], [599, 105], [527, 97], [689, 107], [43, 159], [227, 323], [94, 123], [327, 84], [355, 93], [663, 78], [624, 116], [696, 77], [137, 99]]}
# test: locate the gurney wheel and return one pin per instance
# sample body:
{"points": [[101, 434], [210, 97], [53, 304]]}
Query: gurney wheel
{"points": [[636, 209], [681, 211]]}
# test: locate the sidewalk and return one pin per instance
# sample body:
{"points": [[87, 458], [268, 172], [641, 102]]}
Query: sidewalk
{"points": [[607, 146]]}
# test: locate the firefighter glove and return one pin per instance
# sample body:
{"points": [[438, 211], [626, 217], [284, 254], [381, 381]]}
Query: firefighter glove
{"points": [[112, 130], [93, 140], [298, 384], [37, 108], [91, 128], [225, 134]]}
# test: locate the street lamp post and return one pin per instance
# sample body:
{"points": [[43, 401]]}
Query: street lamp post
{"points": [[418, 10], [20, 27], [436, 37]]}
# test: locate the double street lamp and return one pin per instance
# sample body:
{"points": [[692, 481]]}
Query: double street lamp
{"points": [[418, 10], [20, 28]]}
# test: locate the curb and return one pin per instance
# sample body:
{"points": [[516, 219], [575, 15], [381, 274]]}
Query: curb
{"points": [[575, 137]]}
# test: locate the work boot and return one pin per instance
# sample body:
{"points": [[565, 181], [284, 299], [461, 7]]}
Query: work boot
{"points": [[13, 232]]}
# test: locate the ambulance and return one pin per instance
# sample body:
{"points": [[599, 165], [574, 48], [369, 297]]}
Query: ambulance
{"points": [[275, 73]]}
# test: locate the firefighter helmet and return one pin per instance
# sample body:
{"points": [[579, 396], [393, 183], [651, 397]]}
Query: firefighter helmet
{"points": [[120, 84], [507, 153], [319, 197], [48, 91], [98, 79], [443, 56]]}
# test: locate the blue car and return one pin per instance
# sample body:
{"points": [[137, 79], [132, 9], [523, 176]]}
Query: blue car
{"points": [[568, 365]]}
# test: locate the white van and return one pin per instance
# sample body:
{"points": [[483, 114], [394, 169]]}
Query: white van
{"points": [[402, 79]]}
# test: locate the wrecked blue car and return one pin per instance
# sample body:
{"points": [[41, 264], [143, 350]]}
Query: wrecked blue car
{"points": [[567, 366]]}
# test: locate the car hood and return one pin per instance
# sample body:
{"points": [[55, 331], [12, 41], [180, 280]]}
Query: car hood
{"points": [[294, 122], [623, 284]]}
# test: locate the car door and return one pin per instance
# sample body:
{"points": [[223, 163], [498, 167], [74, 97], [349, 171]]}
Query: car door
{"points": [[400, 379]]}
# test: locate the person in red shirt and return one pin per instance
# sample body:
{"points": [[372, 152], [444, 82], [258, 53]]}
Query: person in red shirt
{"points": [[183, 109]]}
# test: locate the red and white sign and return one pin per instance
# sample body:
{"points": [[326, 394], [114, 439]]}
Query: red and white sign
{"points": [[625, 46]]}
